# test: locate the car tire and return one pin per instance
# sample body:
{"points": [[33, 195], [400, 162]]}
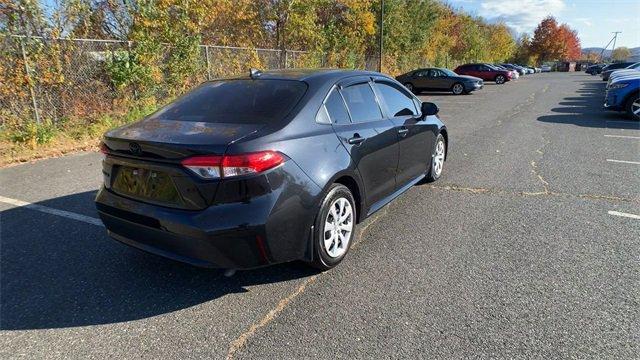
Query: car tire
{"points": [[438, 156], [330, 248], [632, 107], [457, 89], [500, 79], [410, 87]]}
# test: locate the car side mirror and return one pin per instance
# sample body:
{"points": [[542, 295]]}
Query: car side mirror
{"points": [[429, 108]]}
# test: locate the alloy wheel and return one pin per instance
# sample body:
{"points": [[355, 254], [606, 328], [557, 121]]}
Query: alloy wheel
{"points": [[409, 86], [338, 227], [458, 89], [499, 79], [438, 158], [635, 108]]}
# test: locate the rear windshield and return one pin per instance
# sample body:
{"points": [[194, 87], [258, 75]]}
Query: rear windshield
{"points": [[236, 102]]}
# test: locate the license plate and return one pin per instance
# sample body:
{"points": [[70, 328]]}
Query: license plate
{"points": [[146, 184]]}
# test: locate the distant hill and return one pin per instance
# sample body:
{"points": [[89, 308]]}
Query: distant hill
{"points": [[635, 52]]}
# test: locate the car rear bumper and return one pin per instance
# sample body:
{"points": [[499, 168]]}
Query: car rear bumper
{"points": [[263, 230]]}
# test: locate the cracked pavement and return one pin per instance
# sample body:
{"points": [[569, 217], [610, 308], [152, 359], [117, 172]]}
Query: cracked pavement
{"points": [[511, 254]]}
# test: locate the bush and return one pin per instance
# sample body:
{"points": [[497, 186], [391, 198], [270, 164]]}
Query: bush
{"points": [[32, 133]]}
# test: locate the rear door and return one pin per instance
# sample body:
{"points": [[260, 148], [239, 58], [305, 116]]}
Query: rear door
{"points": [[421, 79], [415, 136], [370, 139], [439, 80]]}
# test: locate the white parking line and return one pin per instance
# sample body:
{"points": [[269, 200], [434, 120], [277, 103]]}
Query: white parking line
{"points": [[624, 161], [48, 210], [617, 213], [623, 136]]}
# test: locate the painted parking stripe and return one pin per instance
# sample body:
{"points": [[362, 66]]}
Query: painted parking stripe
{"points": [[624, 161], [52, 211], [623, 136], [627, 215]]}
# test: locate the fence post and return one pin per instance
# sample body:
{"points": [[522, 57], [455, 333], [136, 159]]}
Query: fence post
{"points": [[285, 58], [206, 54], [34, 103], [135, 86]]}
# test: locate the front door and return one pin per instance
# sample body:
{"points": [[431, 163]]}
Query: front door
{"points": [[370, 139], [416, 137]]}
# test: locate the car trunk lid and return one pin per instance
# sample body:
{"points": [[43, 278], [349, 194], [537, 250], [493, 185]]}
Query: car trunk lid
{"points": [[144, 160]]}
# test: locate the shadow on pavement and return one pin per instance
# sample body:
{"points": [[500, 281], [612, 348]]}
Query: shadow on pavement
{"points": [[587, 110], [57, 272]]}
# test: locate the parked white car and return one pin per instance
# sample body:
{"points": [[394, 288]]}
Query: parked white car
{"points": [[545, 68]]}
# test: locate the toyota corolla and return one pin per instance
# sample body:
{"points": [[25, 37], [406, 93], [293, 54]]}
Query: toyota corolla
{"points": [[272, 167]]}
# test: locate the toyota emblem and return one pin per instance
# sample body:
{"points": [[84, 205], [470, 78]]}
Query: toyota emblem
{"points": [[135, 148]]}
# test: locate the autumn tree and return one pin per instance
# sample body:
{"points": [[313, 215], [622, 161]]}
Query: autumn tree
{"points": [[620, 53], [571, 49], [555, 42]]}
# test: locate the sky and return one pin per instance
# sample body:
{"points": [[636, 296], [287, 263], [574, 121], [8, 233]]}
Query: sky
{"points": [[594, 20]]}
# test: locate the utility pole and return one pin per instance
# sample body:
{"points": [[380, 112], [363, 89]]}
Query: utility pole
{"points": [[381, 35], [615, 37]]}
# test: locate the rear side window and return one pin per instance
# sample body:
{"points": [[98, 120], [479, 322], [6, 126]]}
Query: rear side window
{"points": [[335, 108], [236, 102], [397, 101], [361, 103]]}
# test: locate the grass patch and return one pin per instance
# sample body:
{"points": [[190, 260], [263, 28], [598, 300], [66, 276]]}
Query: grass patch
{"points": [[23, 142]]}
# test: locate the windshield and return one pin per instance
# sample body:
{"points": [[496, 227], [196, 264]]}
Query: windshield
{"points": [[236, 102]]}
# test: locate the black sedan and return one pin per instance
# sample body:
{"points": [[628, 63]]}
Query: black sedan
{"points": [[440, 79], [269, 168]]}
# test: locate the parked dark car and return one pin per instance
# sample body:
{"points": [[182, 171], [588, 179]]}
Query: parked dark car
{"points": [[439, 79], [269, 168], [594, 69], [484, 72], [607, 70]]}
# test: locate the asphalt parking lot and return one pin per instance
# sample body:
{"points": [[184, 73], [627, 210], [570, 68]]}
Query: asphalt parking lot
{"points": [[527, 247]]}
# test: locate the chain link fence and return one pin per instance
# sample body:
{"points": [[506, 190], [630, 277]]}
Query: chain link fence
{"points": [[56, 79]]}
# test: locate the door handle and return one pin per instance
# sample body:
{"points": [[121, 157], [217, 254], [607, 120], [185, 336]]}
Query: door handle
{"points": [[356, 139], [403, 131]]}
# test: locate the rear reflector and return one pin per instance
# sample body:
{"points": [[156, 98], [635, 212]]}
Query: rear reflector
{"points": [[216, 166]]}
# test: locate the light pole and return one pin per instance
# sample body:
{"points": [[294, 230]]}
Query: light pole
{"points": [[381, 35]]}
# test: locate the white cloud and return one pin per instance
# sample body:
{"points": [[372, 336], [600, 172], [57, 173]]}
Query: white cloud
{"points": [[521, 15], [586, 21]]}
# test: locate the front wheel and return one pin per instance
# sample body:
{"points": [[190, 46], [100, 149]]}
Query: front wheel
{"points": [[334, 228], [632, 107], [437, 159], [500, 79]]}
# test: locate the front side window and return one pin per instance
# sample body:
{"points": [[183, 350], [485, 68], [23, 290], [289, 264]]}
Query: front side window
{"points": [[236, 102], [397, 101], [361, 103]]}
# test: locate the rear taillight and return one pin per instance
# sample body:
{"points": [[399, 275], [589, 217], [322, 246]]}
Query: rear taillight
{"points": [[104, 148], [216, 166]]}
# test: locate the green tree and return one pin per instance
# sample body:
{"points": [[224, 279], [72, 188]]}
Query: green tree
{"points": [[621, 53]]}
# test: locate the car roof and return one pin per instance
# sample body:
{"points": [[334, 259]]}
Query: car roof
{"points": [[309, 74]]}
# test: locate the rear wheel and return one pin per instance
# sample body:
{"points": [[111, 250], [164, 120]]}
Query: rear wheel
{"points": [[334, 228], [437, 159], [500, 79], [632, 106], [457, 89], [410, 87]]}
